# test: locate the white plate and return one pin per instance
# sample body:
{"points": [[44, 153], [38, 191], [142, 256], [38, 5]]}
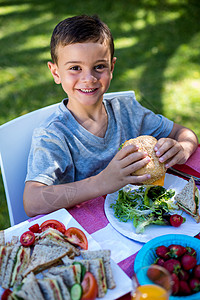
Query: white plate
{"points": [[123, 282], [190, 227]]}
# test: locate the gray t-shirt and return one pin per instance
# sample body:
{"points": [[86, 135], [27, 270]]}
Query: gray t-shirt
{"points": [[64, 151]]}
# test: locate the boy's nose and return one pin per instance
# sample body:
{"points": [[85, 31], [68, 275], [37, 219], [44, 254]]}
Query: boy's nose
{"points": [[88, 77]]}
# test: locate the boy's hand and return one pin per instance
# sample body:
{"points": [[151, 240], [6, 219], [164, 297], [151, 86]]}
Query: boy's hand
{"points": [[170, 152], [118, 173]]}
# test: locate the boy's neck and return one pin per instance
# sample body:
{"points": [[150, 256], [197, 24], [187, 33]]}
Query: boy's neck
{"points": [[94, 120]]}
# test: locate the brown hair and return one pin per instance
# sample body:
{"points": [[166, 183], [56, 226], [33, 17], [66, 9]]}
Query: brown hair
{"points": [[80, 29]]}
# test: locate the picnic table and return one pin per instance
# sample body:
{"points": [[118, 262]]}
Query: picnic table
{"points": [[91, 216]]}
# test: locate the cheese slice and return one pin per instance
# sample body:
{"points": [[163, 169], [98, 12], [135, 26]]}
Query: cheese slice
{"points": [[159, 181]]}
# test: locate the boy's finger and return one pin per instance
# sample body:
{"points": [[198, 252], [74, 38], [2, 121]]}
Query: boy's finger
{"points": [[136, 166], [134, 157], [138, 179], [126, 151], [159, 144]]}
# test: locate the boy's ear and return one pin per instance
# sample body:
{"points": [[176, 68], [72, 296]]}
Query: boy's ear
{"points": [[54, 71], [113, 64]]}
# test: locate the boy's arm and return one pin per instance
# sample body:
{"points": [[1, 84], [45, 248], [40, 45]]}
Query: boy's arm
{"points": [[186, 137], [177, 147], [42, 199]]}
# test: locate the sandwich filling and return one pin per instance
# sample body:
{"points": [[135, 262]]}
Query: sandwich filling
{"points": [[2, 253], [21, 262], [102, 275], [55, 288]]}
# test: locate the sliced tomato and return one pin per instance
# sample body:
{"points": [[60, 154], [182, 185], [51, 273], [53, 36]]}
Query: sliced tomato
{"points": [[89, 286], [34, 228], [77, 237], [61, 229], [27, 238], [53, 224]]}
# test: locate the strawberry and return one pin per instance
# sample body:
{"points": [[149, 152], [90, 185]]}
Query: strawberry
{"points": [[184, 288], [191, 251], [172, 265], [183, 275], [176, 251], [159, 261], [175, 284], [188, 262], [196, 271], [194, 284], [162, 251]]}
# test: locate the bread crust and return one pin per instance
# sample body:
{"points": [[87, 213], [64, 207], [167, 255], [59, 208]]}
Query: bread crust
{"points": [[146, 143]]}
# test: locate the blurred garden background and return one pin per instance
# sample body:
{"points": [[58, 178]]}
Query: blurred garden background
{"points": [[157, 46]]}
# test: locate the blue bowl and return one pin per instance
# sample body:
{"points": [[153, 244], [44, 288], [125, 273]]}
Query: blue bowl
{"points": [[146, 256]]}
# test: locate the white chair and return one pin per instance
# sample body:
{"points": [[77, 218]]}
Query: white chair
{"points": [[15, 141]]}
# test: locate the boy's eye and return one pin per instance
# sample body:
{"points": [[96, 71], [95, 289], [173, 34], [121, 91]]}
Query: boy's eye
{"points": [[75, 68], [99, 67]]}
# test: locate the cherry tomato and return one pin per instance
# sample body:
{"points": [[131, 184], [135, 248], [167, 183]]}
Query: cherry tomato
{"points": [[176, 220], [89, 286], [27, 238], [53, 224], [5, 294], [34, 228], [77, 237]]}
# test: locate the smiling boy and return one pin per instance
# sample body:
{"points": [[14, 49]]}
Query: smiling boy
{"points": [[74, 155], [85, 71]]}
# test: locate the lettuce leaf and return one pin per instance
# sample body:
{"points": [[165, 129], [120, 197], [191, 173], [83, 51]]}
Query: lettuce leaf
{"points": [[144, 206]]}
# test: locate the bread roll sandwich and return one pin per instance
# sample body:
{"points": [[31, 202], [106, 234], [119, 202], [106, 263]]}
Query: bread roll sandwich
{"points": [[157, 169]]}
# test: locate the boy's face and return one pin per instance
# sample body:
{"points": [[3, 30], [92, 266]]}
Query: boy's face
{"points": [[84, 70]]}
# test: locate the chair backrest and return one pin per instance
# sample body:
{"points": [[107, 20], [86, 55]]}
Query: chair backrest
{"points": [[15, 142]]}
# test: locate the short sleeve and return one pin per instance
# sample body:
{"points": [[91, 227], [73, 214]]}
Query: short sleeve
{"points": [[49, 160], [138, 120]]}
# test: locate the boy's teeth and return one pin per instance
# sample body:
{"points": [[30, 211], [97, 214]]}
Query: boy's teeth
{"points": [[87, 90]]}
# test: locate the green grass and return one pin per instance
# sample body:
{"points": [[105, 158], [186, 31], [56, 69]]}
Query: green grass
{"points": [[157, 49]]}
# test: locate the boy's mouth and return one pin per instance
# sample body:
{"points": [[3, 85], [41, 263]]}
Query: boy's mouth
{"points": [[88, 91]]}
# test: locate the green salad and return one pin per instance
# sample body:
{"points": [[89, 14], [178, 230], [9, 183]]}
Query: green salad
{"points": [[144, 206]]}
